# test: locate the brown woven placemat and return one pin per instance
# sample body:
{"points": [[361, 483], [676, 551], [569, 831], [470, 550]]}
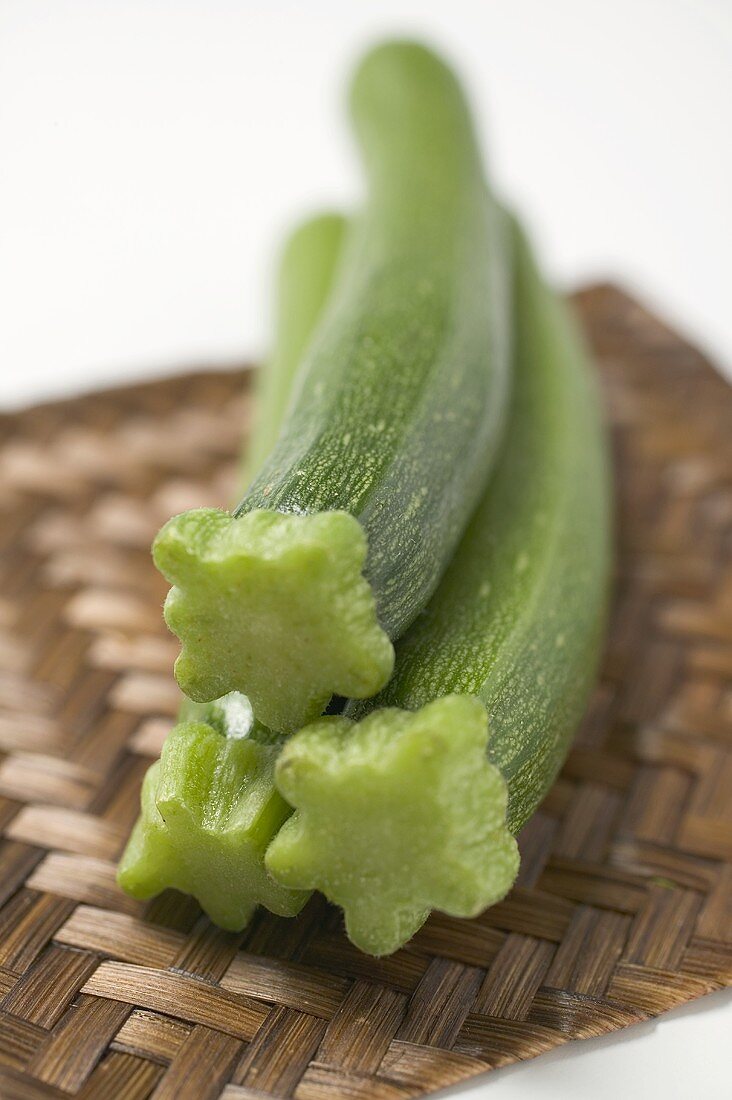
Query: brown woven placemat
{"points": [[623, 905]]}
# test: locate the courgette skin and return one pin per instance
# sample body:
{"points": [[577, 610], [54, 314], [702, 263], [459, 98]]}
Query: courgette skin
{"points": [[518, 619], [397, 814], [396, 417]]}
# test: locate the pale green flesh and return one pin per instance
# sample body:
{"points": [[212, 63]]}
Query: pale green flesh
{"points": [[519, 616], [209, 809], [395, 420], [396, 815], [309, 628]]}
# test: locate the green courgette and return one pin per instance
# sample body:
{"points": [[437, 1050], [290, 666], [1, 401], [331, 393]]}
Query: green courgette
{"points": [[395, 814], [390, 437], [209, 806]]}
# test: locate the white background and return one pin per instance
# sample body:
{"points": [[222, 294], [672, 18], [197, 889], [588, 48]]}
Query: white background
{"points": [[152, 155]]}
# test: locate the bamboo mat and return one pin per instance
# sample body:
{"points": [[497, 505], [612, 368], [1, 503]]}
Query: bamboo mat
{"points": [[622, 909]]}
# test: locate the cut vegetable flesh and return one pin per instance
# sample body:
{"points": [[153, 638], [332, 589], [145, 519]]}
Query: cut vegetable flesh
{"points": [[396, 815], [296, 576], [395, 422]]}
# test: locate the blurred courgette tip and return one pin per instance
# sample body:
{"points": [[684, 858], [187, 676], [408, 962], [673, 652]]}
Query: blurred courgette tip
{"points": [[209, 808]]}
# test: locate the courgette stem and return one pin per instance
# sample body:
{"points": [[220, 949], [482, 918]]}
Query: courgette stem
{"points": [[397, 814], [393, 428], [209, 806], [515, 626]]}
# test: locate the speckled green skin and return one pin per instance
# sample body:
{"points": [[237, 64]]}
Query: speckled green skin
{"points": [[400, 402], [394, 423], [304, 280], [395, 815], [518, 618]]}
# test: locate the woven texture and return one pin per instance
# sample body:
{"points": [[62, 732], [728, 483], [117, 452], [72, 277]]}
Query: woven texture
{"points": [[622, 909]]}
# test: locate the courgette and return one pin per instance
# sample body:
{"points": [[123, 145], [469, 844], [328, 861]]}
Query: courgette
{"points": [[209, 806], [396, 814], [392, 431]]}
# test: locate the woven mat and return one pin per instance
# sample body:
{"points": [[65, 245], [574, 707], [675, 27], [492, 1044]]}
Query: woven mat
{"points": [[622, 909]]}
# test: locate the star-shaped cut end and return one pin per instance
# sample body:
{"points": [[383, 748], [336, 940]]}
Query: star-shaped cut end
{"points": [[274, 606], [396, 815], [209, 810]]}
